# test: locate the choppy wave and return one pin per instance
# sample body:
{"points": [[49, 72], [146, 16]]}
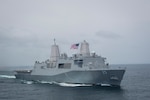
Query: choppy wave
{"points": [[7, 76]]}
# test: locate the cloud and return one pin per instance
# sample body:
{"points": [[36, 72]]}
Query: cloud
{"points": [[107, 35], [11, 36], [17, 37]]}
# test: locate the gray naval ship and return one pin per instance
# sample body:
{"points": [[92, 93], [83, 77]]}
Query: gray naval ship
{"points": [[81, 68]]}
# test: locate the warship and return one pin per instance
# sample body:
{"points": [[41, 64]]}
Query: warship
{"points": [[81, 68]]}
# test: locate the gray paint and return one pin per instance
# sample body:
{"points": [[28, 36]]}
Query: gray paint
{"points": [[86, 69]]}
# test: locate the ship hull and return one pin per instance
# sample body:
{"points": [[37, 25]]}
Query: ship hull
{"points": [[95, 77]]}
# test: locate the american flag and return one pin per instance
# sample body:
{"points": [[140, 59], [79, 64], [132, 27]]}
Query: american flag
{"points": [[74, 46]]}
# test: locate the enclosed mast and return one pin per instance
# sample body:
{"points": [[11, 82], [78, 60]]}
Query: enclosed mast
{"points": [[55, 54]]}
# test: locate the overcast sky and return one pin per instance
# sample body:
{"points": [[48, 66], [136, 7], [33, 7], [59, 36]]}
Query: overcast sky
{"points": [[116, 29]]}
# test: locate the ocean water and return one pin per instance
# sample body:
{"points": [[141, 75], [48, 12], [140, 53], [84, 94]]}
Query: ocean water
{"points": [[135, 86]]}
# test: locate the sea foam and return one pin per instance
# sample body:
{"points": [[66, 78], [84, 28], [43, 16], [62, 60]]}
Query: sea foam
{"points": [[7, 76]]}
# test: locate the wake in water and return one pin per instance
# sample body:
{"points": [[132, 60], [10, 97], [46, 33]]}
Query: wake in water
{"points": [[73, 85], [26, 82], [47, 82], [7, 76], [56, 83]]}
